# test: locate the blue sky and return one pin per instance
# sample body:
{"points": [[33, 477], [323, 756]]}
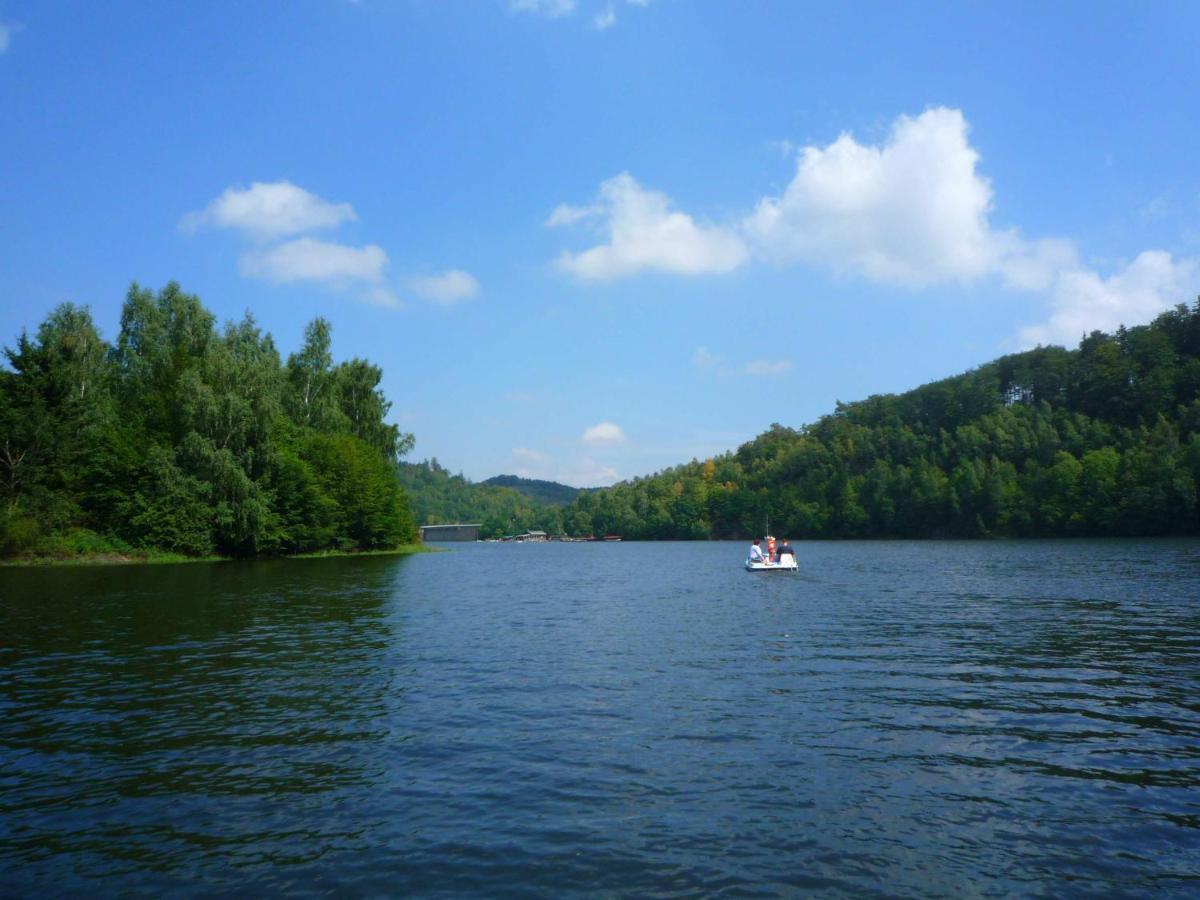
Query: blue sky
{"points": [[588, 240]]}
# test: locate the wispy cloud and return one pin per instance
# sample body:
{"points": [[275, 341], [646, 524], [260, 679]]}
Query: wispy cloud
{"points": [[268, 210], [565, 214], [528, 455], [581, 472], [309, 259], [551, 9], [587, 472], [704, 360], [447, 288], [646, 234], [5, 33], [603, 433], [766, 367], [606, 18]]}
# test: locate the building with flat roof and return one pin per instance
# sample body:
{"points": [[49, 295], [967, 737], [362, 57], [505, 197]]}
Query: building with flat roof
{"points": [[450, 532]]}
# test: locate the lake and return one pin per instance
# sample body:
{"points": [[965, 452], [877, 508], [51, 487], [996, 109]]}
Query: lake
{"points": [[627, 719]]}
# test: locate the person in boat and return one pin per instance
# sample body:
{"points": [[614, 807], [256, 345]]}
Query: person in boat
{"points": [[756, 554], [784, 548]]}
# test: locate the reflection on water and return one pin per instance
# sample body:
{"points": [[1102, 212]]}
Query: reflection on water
{"points": [[913, 719]]}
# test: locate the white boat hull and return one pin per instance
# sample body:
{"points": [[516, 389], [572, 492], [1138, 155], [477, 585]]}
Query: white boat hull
{"points": [[788, 564]]}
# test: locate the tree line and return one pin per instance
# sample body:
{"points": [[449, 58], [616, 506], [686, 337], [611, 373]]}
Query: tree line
{"points": [[1100, 440], [440, 498], [188, 438]]}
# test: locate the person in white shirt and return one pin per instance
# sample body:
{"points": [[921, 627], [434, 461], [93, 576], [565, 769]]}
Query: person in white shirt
{"points": [[756, 554]]}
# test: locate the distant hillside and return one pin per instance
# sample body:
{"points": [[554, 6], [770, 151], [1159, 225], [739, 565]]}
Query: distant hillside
{"points": [[1101, 440], [549, 492], [437, 497]]}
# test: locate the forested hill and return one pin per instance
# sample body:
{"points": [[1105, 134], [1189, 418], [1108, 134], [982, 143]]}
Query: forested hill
{"points": [[440, 498], [550, 492], [187, 438], [1101, 440]]}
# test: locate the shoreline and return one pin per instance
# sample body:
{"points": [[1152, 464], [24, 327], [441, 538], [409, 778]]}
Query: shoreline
{"points": [[158, 558]]}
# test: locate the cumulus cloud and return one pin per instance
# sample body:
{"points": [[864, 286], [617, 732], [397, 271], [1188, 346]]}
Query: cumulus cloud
{"points": [[645, 234], [309, 259], [761, 367], [1082, 301], [912, 211], [269, 210], [551, 9], [604, 433], [448, 288]]}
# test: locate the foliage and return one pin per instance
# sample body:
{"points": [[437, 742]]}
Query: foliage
{"points": [[548, 492], [184, 438], [1102, 440], [439, 498]]}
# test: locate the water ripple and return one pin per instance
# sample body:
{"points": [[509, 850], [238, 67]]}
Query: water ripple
{"points": [[899, 720]]}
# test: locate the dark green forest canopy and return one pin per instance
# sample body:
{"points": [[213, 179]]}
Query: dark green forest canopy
{"points": [[1102, 440], [439, 498], [550, 492], [187, 438]]}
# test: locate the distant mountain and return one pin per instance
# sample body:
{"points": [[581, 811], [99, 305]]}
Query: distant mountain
{"points": [[548, 492]]}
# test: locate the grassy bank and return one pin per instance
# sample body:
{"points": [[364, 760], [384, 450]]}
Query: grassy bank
{"points": [[60, 555]]}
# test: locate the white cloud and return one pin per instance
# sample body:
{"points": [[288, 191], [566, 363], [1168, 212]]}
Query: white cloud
{"points": [[528, 455], [308, 259], [448, 288], [1082, 301], [5, 32], [768, 367], [912, 211], [551, 9], [604, 433], [606, 18], [268, 210], [565, 214], [1033, 265], [589, 473], [583, 472], [645, 234], [381, 295]]}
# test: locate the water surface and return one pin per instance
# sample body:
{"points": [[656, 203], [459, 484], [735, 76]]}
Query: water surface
{"points": [[899, 719]]}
